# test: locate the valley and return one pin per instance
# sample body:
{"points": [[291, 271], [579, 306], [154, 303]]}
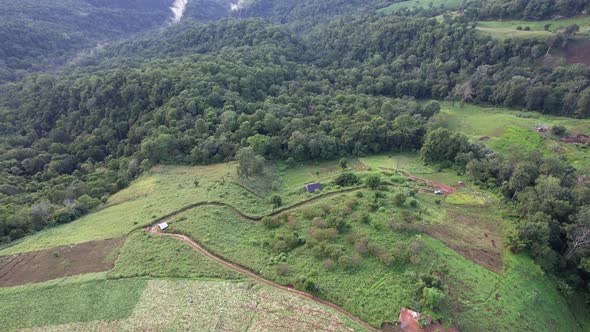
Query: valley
{"points": [[277, 165]]}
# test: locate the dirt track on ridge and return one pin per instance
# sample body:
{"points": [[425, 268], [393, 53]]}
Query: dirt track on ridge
{"points": [[257, 277]]}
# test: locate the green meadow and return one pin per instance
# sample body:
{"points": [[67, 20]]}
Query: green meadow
{"points": [[410, 4], [364, 250], [510, 129]]}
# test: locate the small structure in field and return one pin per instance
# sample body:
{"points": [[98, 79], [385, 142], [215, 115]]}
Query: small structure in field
{"points": [[543, 129], [412, 321], [163, 226], [460, 184], [313, 187], [438, 192]]}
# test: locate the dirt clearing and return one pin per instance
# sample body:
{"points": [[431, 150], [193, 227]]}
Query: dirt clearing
{"points": [[469, 233], [578, 52], [38, 266]]}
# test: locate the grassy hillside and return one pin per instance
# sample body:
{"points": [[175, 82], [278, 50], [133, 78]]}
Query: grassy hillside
{"points": [[190, 293], [410, 4], [508, 29], [360, 250], [508, 129], [155, 305]]}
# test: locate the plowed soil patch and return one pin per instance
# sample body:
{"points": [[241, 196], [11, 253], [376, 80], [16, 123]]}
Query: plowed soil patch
{"points": [[472, 236], [578, 52], [58, 262]]}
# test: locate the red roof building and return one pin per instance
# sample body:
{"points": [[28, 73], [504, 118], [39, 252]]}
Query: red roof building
{"points": [[412, 321]]}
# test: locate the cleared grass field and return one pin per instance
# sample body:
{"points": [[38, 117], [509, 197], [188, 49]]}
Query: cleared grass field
{"points": [[376, 291], [410, 4], [508, 29], [166, 189], [554, 25], [508, 129], [81, 299], [147, 255], [178, 305]]}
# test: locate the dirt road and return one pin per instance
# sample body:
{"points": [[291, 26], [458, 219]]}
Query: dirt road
{"points": [[257, 277]]}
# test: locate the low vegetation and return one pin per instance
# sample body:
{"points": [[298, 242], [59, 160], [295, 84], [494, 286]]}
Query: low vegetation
{"points": [[147, 255], [82, 299]]}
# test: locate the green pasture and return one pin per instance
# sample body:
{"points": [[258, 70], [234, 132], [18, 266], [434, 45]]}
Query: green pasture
{"points": [[148, 255], [510, 129], [81, 299], [411, 4]]}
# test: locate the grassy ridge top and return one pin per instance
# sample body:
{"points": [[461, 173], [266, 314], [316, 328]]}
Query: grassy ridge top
{"points": [[508, 129]]}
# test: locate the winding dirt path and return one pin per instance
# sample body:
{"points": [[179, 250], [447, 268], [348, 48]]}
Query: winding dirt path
{"points": [[241, 269], [256, 276]]}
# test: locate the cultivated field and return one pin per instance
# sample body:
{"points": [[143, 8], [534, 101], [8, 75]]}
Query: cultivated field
{"points": [[58, 262], [171, 305], [360, 249]]}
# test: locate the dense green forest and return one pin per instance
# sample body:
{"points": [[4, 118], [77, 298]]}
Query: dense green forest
{"points": [[525, 9], [334, 80], [38, 35]]}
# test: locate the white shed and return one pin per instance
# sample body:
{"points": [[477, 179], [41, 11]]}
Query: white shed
{"points": [[163, 226]]}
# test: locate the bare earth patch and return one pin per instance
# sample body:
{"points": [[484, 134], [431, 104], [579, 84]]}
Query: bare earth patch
{"points": [[38, 266], [471, 235], [578, 52]]}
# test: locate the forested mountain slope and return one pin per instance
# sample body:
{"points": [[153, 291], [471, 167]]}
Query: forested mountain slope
{"points": [[38, 35], [293, 81]]}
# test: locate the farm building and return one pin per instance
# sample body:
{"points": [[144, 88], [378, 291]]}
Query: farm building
{"points": [[438, 192], [163, 226], [412, 321], [543, 129], [312, 187]]}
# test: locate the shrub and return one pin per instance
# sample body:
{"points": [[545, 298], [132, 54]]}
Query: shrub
{"points": [[519, 28], [322, 234], [328, 264], [343, 163], [558, 130], [311, 286], [527, 28], [276, 201], [413, 203], [347, 179], [399, 199], [284, 242], [308, 213], [283, 269], [432, 297], [373, 181], [270, 222]]}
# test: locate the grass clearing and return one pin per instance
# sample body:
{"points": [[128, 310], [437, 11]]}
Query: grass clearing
{"points": [[508, 28], [83, 299], [554, 24], [218, 306], [362, 292], [147, 255], [522, 298], [506, 129], [166, 189], [411, 4]]}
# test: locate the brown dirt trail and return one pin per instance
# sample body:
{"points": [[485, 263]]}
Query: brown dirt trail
{"points": [[257, 277]]}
